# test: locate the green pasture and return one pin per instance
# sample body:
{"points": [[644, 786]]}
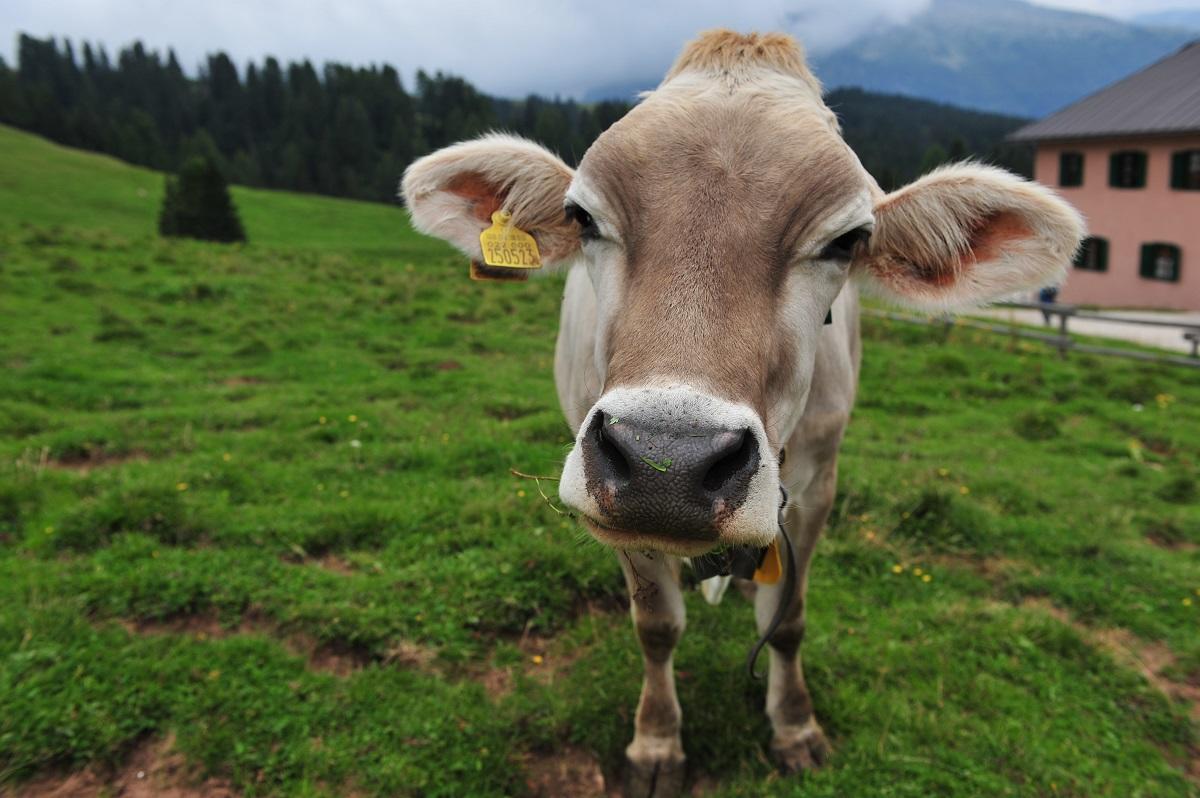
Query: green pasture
{"points": [[256, 499]]}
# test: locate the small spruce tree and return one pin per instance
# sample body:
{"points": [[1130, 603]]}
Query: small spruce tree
{"points": [[197, 204]]}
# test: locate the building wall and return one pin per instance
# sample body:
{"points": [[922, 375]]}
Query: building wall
{"points": [[1128, 218]]}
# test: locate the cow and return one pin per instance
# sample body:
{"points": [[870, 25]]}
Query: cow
{"points": [[717, 238]]}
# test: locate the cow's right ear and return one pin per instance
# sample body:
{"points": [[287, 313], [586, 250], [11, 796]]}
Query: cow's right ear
{"points": [[453, 193]]}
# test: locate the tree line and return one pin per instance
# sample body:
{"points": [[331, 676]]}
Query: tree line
{"points": [[351, 131]]}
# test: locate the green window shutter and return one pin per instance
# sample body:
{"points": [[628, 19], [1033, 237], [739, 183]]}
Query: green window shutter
{"points": [[1092, 255], [1179, 169], [1185, 174], [1070, 169], [1160, 262], [1127, 169]]}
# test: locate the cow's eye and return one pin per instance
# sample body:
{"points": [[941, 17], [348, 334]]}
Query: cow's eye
{"points": [[847, 245], [588, 230]]}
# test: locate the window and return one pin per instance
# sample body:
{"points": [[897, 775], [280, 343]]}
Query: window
{"points": [[1070, 169], [1092, 255], [1127, 169], [1185, 170], [1160, 262]]}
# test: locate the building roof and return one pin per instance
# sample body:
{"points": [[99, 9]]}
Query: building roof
{"points": [[1160, 99]]}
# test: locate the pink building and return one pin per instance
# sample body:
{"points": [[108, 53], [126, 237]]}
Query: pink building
{"points": [[1128, 157]]}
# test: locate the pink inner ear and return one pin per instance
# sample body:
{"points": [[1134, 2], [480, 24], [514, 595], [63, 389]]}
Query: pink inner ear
{"points": [[484, 197], [992, 236]]}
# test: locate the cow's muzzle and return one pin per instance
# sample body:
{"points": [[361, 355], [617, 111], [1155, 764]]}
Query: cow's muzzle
{"points": [[672, 469]]}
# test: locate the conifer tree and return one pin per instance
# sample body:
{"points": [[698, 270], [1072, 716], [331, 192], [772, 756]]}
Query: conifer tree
{"points": [[197, 204]]}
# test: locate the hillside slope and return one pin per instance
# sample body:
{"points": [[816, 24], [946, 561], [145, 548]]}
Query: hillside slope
{"points": [[54, 185]]}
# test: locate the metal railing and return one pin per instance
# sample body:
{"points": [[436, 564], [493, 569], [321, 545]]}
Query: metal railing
{"points": [[1062, 340]]}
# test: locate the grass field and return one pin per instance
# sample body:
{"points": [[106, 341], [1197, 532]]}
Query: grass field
{"points": [[256, 509]]}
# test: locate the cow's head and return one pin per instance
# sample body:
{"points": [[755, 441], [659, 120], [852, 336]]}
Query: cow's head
{"points": [[718, 222]]}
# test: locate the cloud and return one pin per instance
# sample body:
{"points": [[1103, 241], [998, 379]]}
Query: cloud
{"points": [[513, 48]]}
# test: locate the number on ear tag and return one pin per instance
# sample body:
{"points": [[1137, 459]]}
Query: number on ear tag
{"points": [[507, 246]]}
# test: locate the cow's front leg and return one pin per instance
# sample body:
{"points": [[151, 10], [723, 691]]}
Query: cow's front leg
{"points": [[797, 741], [655, 757]]}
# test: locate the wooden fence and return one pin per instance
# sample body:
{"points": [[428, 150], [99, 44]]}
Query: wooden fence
{"points": [[1062, 340]]}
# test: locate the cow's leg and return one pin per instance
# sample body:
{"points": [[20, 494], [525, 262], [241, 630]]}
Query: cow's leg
{"points": [[797, 740], [655, 757]]}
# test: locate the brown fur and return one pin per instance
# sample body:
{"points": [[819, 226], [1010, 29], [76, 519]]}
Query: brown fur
{"points": [[732, 56], [707, 224]]}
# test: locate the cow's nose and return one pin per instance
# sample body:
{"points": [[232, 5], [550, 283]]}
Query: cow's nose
{"points": [[662, 480]]}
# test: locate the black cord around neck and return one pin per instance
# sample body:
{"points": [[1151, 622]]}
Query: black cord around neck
{"points": [[785, 601]]}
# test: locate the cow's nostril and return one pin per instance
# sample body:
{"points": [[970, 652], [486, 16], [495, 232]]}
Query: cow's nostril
{"points": [[738, 455], [612, 455]]}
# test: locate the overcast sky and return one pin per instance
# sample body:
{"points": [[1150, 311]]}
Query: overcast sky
{"points": [[545, 46]]}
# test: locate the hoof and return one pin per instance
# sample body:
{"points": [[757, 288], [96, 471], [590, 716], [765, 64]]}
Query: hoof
{"points": [[657, 774], [804, 749]]}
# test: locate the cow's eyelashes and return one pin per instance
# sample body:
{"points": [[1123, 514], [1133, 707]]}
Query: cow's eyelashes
{"points": [[847, 245], [588, 230]]}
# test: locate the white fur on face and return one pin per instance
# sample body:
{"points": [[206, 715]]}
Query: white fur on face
{"points": [[755, 522]]}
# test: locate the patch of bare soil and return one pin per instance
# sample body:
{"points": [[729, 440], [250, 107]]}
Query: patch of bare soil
{"points": [[1171, 545], [153, 770], [341, 661], [569, 772], [1150, 659], [544, 659], [234, 382], [90, 460]]}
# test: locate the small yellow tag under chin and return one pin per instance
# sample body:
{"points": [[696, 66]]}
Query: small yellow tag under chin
{"points": [[769, 572], [507, 246]]}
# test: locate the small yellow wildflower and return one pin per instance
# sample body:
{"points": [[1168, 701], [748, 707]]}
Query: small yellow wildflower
{"points": [[214, 674], [926, 578], [897, 568], [227, 457], [521, 493], [322, 420], [181, 486], [917, 572], [964, 490], [1187, 602], [943, 472], [537, 659], [870, 534], [344, 493], [50, 531], [352, 418]]}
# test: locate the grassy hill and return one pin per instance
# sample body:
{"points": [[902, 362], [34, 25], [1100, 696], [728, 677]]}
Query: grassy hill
{"points": [[256, 512]]}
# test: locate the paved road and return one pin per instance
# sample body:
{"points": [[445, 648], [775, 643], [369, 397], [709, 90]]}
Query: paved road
{"points": [[1162, 337]]}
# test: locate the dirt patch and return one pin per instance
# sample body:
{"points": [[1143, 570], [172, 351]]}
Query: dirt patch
{"points": [[448, 365], [153, 770], [339, 660], [544, 660], [993, 569], [234, 382], [1171, 545], [332, 562], [569, 772], [1149, 659], [86, 461]]}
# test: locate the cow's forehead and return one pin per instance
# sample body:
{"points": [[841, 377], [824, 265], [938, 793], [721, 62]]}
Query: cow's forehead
{"points": [[769, 151]]}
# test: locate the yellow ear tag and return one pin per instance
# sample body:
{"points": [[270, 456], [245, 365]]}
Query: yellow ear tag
{"points": [[507, 246], [768, 573]]}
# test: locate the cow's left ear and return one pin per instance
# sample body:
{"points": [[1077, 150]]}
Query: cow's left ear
{"points": [[453, 193], [966, 234]]}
